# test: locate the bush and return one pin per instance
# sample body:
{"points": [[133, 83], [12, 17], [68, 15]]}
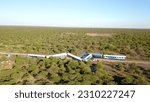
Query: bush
{"points": [[128, 80]]}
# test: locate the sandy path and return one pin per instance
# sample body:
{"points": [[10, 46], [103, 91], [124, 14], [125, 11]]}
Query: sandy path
{"points": [[125, 61]]}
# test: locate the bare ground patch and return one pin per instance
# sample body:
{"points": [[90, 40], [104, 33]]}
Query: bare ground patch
{"points": [[8, 64], [69, 33], [100, 34]]}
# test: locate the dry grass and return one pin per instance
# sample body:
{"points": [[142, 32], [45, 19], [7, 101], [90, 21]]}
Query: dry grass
{"points": [[100, 34]]}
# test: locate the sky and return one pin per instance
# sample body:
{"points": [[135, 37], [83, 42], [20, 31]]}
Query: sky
{"points": [[76, 13]]}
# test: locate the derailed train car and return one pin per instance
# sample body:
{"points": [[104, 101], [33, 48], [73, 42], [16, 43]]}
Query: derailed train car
{"points": [[87, 56]]}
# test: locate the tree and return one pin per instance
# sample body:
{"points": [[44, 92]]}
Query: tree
{"points": [[53, 69], [5, 75], [16, 75], [43, 82], [141, 80], [120, 67], [31, 68], [83, 68], [128, 80], [55, 79], [42, 75], [99, 65], [73, 64], [65, 78]]}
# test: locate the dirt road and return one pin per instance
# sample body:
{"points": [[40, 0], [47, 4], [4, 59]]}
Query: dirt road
{"points": [[147, 63]]}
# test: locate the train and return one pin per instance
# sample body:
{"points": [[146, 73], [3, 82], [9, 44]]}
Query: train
{"points": [[103, 56], [84, 57]]}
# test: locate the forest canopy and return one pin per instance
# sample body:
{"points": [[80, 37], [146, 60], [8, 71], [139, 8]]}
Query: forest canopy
{"points": [[134, 43]]}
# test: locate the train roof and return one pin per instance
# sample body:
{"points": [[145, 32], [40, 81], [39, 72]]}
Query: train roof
{"points": [[116, 55]]}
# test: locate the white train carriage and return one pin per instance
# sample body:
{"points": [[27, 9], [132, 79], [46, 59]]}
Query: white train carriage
{"points": [[88, 57], [114, 57], [36, 56], [61, 55], [74, 57]]}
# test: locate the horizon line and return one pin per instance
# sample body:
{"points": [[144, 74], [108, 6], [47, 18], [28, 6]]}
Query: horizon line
{"points": [[46, 26]]}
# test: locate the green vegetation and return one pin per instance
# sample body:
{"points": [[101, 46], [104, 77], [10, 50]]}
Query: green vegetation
{"points": [[135, 44], [67, 72]]}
